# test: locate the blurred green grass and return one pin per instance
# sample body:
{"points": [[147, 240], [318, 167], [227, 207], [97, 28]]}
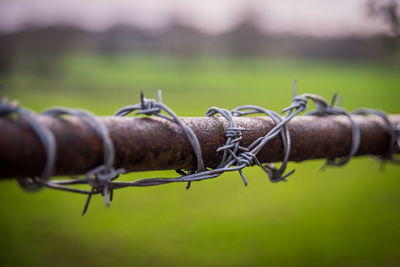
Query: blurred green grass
{"points": [[342, 216]]}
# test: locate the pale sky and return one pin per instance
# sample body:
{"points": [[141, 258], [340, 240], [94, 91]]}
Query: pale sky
{"points": [[314, 17]]}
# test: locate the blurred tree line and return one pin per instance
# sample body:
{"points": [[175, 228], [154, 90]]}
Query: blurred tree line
{"points": [[388, 11], [39, 49]]}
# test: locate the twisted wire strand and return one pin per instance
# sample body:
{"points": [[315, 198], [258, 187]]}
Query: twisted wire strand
{"points": [[394, 131], [274, 174], [45, 137], [332, 109], [232, 145], [150, 107], [323, 108], [245, 157], [100, 177], [235, 157]]}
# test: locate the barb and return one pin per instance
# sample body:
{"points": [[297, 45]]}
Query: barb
{"points": [[394, 132], [334, 109], [233, 138], [151, 107], [324, 109], [274, 174], [100, 177]]}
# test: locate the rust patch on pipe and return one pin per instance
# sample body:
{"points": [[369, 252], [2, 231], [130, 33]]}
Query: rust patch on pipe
{"points": [[155, 144]]}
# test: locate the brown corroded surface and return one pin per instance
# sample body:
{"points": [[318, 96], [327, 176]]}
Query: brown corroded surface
{"points": [[155, 144]]}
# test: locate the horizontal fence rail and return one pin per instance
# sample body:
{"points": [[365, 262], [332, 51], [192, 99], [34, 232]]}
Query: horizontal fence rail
{"points": [[144, 144]]}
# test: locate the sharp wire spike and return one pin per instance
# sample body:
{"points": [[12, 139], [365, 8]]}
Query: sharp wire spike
{"points": [[159, 96], [333, 100], [188, 185], [85, 208], [243, 177], [106, 197], [111, 193], [142, 99], [294, 88]]}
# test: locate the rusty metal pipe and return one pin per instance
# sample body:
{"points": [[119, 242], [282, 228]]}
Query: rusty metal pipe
{"points": [[143, 144]]}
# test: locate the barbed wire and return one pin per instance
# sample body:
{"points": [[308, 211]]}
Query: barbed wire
{"points": [[150, 107], [394, 132], [45, 136], [274, 174], [100, 177], [235, 157]]}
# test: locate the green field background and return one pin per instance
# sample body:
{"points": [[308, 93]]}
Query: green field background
{"points": [[346, 216]]}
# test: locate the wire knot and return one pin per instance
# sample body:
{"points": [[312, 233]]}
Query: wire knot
{"points": [[149, 107], [102, 175], [234, 132], [276, 175], [298, 103], [247, 158]]}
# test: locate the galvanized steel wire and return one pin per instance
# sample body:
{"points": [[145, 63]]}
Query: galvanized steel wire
{"points": [[234, 156]]}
